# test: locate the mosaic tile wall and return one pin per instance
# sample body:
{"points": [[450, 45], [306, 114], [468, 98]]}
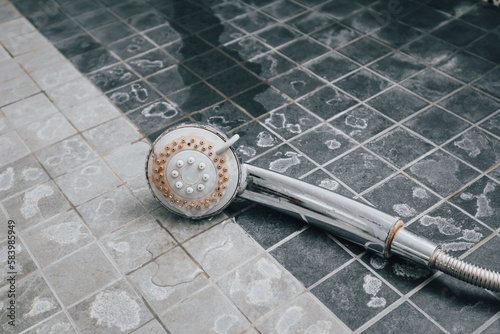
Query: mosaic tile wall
{"points": [[392, 103]]}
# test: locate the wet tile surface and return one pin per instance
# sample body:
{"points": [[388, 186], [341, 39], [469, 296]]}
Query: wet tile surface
{"points": [[315, 89]]}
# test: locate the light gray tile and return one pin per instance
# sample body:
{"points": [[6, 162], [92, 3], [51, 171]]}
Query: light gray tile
{"points": [[46, 131], [3, 54], [65, 155], [222, 248], [40, 58], [55, 75], [184, 228], [110, 211], [111, 135], [23, 265], [57, 237], [35, 205], [91, 113], [259, 286], [169, 279], [34, 300], [117, 309], [86, 182], [73, 93], [129, 161], [138, 242], [206, 310], [4, 126], [17, 89], [80, 274], [20, 175], [58, 324], [305, 314], [8, 12], [17, 45], [10, 70], [3, 218], [29, 110], [15, 27], [12, 148], [152, 327], [139, 187]]}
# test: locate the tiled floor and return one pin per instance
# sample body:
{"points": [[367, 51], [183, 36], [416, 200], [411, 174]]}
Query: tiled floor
{"points": [[393, 103]]}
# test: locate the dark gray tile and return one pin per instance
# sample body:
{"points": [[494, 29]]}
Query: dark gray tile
{"points": [[210, 63], [355, 295], [431, 85], [483, 16], [278, 34], [309, 22], [399, 147], [490, 83], [246, 48], [452, 7], [286, 161], [414, 322], [151, 62], [445, 298], [361, 123], [429, 50], [146, 21], [77, 45], [364, 50], [260, 100], [77, 8], [61, 30], [224, 116], [297, 83], [173, 79], [290, 121], [253, 21], [335, 35], [258, 3], [394, 10], [323, 180], [254, 140], [451, 229], [485, 256], [131, 46], [397, 103], [458, 33], [166, 34], [482, 200], [396, 34], [233, 81], [199, 21], [155, 116], [323, 143], [46, 17], [222, 33], [113, 77], [477, 148], [96, 19], [269, 65], [465, 66], [111, 33], [283, 9], [339, 9], [327, 102], [179, 9], [425, 18], [133, 96], [187, 48], [397, 66], [402, 197], [93, 60], [437, 125], [31, 6], [360, 169], [130, 8], [229, 10], [303, 50], [442, 173], [471, 104], [366, 21], [331, 66], [363, 84], [268, 226], [487, 47], [492, 328], [196, 97], [322, 253], [492, 125]]}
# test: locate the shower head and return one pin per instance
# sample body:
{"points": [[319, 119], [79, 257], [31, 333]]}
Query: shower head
{"points": [[193, 171]]}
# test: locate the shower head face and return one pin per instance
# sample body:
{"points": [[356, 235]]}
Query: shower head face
{"points": [[193, 171]]}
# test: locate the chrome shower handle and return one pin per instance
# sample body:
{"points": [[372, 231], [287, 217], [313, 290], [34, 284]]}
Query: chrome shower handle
{"points": [[337, 214]]}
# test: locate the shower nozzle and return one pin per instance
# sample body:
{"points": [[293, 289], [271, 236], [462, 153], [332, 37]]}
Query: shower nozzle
{"points": [[193, 171]]}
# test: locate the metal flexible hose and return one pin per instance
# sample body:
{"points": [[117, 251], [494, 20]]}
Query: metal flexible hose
{"points": [[466, 272]]}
